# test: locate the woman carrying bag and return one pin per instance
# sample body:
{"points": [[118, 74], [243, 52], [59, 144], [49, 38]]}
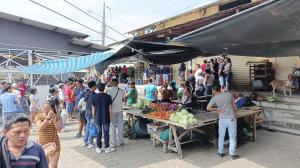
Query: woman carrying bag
{"points": [[49, 125]]}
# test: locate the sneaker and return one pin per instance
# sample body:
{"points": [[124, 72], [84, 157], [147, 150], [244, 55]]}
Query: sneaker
{"points": [[78, 135], [221, 155], [90, 146], [84, 144], [98, 150], [109, 150], [234, 157]]}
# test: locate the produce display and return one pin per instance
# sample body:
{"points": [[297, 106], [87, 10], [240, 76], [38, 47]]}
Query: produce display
{"points": [[164, 115], [273, 99], [166, 111], [183, 117]]}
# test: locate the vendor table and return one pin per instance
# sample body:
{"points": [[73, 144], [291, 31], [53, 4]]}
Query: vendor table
{"points": [[204, 119]]}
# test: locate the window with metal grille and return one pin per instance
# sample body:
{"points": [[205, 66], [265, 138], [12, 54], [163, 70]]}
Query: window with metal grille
{"points": [[233, 4]]}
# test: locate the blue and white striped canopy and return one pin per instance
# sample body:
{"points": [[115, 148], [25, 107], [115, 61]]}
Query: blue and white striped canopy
{"points": [[63, 66]]}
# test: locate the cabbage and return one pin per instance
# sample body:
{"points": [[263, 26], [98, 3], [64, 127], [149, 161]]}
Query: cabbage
{"points": [[195, 120], [172, 115], [183, 121], [178, 114], [191, 121], [185, 117], [176, 119], [190, 115], [184, 111]]}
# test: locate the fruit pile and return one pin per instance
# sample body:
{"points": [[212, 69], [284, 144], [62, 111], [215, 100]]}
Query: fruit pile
{"points": [[164, 115]]}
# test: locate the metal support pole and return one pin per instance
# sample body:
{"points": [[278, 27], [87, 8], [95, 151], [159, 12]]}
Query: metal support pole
{"points": [[30, 53]]}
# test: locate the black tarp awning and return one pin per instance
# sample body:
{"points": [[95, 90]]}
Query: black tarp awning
{"points": [[270, 29]]}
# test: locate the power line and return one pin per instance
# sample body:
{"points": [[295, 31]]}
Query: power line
{"points": [[94, 18], [83, 25]]}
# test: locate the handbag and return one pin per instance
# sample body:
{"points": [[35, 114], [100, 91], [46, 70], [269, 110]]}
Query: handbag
{"points": [[50, 148]]}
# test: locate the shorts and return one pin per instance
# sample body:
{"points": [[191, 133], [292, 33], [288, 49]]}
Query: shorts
{"points": [[165, 77], [70, 107], [81, 116], [222, 81]]}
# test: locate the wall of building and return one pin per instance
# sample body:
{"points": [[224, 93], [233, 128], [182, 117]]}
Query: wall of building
{"points": [[25, 35]]}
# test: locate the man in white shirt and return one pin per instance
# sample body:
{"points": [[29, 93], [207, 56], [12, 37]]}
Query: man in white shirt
{"points": [[117, 96]]}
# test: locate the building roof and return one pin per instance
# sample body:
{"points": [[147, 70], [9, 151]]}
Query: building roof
{"points": [[181, 14], [84, 43], [41, 25]]}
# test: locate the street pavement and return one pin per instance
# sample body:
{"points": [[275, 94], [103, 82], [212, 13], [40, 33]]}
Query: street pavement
{"points": [[271, 150]]}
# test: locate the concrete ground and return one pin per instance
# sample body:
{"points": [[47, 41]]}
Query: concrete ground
{"points": [[271, 150]]}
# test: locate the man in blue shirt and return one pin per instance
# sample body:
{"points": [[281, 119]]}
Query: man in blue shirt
{"points": [[9, 103], [151, 91], [80, 91], [16, 150], [102, 112]]}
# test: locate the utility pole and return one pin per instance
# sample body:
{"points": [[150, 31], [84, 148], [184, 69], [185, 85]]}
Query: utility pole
{"points": [[30, 54], [103, 24]]}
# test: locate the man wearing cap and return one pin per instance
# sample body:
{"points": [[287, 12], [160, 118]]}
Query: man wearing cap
{"points": [[9, 103], [17, 151]]}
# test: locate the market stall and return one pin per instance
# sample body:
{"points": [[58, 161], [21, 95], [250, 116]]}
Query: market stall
{"points": [[179, 129]]}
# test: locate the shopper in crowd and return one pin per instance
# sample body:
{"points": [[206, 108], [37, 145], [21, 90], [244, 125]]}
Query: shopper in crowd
{"points": [[102, 114], [228, 73], [192, 80], [216, 67], [187, 94], [157, 75], [61, 93], [9, 103], [16, 91], [166, 73], [81, 107], [22, 89], [181, 71], [145, 75], [172, 87], [124, 71], [116, 125], [208, 82], [88, 139], [165, 93], [131, 94], [221, 65], [203, 66], [49, 124], [17, 150], [79, 92], [2, 86], [35, 104], [70, 98], [223, 103], [150, 91]]}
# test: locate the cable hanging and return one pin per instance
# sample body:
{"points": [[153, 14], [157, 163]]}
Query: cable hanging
{"points": [[83, 25]]}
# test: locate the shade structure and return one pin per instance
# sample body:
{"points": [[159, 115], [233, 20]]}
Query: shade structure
{"points": [[63, 66], [270, 29]]}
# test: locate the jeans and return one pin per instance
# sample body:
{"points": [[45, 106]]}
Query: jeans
{"points": [[228, 81], [157, 76], [105, 127], [207, 90], [221, 80], [231, 124], [116, 138], [88, 139]]}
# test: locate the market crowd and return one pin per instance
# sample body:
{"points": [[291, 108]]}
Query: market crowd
{"points": [[97, 106]]}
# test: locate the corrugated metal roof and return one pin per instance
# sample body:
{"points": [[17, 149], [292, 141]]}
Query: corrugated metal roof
{"points": [[84, 43], [41, 25]]}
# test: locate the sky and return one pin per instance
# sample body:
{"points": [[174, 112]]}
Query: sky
{"points": [[122, 15]]}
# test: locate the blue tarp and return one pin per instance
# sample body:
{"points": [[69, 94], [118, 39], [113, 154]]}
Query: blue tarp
{"points": [[62, 66]]}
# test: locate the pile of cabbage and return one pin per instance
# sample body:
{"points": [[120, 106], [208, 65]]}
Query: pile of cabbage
{"points": [[141, 104], [183, 117]]}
